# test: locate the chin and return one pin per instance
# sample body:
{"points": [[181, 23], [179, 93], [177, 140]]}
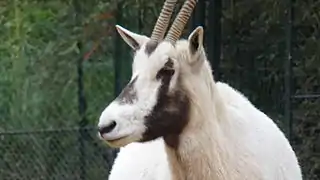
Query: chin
{"points": [[118, 143]]}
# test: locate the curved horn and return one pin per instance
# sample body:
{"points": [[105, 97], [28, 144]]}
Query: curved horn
{"points": [[180, 21], [163, 20]]}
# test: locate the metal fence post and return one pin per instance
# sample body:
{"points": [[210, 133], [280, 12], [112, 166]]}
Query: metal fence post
{"points": [[117, 57], [198, 16], [288, 69], [81, 98], [83, 122], [214, 35]]}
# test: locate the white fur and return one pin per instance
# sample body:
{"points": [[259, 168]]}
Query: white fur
{"points": [[227, 137], [245, 144], [141, 161], [147, 161]]}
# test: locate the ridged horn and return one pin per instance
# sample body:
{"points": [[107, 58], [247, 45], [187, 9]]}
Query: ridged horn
{"points": [[180, 21], [163, 20]]}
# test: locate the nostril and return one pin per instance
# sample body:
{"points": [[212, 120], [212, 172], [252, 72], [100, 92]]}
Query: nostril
{"points": [[107, 129]]}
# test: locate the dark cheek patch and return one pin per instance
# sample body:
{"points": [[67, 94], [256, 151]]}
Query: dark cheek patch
{"points": [[128, 94], [169, 116]]}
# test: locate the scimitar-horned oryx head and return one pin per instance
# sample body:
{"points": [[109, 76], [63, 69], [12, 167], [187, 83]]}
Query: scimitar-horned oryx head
{"points": [[155, 103]]}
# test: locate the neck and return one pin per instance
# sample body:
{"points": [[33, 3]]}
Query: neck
{"points": [[199, 154]]}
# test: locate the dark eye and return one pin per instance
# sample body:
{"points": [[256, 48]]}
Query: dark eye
{"points": [[167, 70]]}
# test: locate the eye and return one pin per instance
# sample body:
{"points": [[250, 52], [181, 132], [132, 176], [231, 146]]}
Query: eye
{"points": [[167, 70]]}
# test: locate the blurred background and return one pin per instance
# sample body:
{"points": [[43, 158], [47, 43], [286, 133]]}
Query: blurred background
{"points": [[62, 62]]}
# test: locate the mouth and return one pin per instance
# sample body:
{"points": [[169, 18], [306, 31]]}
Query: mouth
{"points": [[116, 142]]}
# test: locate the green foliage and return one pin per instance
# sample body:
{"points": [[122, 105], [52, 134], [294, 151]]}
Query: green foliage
{"points": [[39, 55]]}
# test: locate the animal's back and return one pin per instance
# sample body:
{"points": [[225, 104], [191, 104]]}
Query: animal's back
{"points": [[141, 161], [257, 140]]}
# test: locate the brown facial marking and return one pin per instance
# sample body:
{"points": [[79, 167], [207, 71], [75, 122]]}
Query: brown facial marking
{"points": [[170, 114], [150, 47], [128, 94]]}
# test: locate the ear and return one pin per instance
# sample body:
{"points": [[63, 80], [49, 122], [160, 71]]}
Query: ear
{"points": [[134, 40], [196, 40]]}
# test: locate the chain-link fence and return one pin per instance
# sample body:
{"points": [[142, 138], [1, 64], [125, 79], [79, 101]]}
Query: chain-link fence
{"points": [[54, 154], [62, 61]]}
